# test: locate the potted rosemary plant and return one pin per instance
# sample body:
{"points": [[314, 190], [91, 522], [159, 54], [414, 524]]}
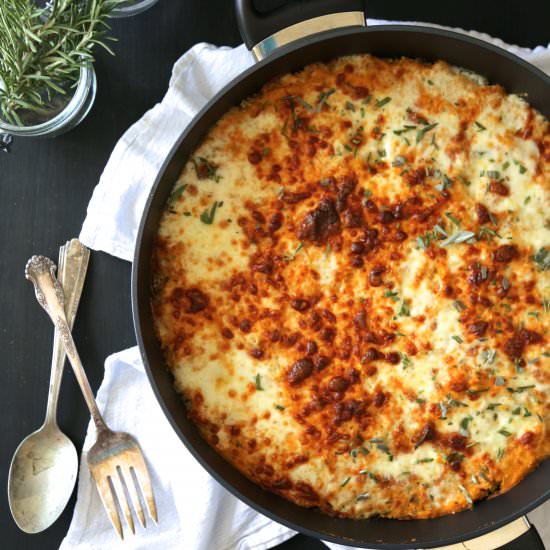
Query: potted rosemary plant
{"points": [[47, 82]]}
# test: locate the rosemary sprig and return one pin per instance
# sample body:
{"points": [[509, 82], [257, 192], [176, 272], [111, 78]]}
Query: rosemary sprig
{"points": [[42, 50]]}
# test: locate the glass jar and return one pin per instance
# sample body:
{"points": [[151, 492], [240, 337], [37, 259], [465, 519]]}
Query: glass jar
{"points": [[132, 7], [68, 117]]}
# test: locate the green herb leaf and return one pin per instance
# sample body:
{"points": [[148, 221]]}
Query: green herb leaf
{"points": [[292, 255], [520, 389], [205, 169], [466, 494], [542, 259], [207, 216], [404, 309], [392, 294], [423, 131], [458, 237], [504, 432], [399, 161], [322, 99], [452, 218], [176, 194], [480, 127], [381, 102], [458, 305]]}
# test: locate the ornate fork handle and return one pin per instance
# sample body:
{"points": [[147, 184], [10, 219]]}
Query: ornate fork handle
{"points": [[49, 293]]}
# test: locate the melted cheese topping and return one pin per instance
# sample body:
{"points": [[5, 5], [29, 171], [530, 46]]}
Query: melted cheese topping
{"points": [[352, 288]]}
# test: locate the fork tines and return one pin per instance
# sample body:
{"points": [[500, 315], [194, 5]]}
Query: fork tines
{"points": [[121, 476]]}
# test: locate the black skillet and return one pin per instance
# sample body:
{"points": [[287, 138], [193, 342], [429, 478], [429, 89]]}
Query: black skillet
{"points": [[494, 517]]}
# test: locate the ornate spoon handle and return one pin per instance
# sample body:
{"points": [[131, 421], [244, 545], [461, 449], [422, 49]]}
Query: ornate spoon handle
{"points": [[73, 263], [49, 293]]}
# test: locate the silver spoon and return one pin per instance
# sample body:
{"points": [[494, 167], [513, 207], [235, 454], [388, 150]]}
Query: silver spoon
{"points": [[45, 464]]}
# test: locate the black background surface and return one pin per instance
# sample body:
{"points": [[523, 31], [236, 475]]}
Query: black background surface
{"points": [[45, 186]]}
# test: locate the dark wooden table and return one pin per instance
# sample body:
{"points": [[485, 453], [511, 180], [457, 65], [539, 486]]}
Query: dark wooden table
{"points": [[45, 186]]}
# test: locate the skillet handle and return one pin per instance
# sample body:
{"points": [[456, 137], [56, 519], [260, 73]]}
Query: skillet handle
{"points": [[516, 535], [530, 540], [263, 32]]}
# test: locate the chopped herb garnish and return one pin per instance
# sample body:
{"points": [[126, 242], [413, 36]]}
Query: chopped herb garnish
{"points": [[464, 425], [305, 104], [542, 259], [381, 102], [520, 166], [493, 406], [279, 407], [423, 131], [458, 305], [489, 232], [405, 360], [176, 194], [392, 294], [505, 166], [520, 389], [367, 193], [466, 494], [292, 255], [258, 381], [493, 174], [362, 496], [421, 243], [504, 432], [517, 410], [457, 338], [475, 392], [488, 356], [266, 151], [404, 309], [452, 218], [350, 106], [424, 460], [458, 237], [527, 199], [345, 482], [322, 99], [399, 161], [406, 128], [445, 183], [207, 216], [205, 169], [464, 180], [480, 126]]}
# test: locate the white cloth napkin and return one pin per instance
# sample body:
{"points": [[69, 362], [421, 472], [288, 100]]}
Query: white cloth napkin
{"points": [[195, 512]]}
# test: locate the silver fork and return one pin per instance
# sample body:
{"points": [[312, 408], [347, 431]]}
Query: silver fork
{"points": [[116, 460]]}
